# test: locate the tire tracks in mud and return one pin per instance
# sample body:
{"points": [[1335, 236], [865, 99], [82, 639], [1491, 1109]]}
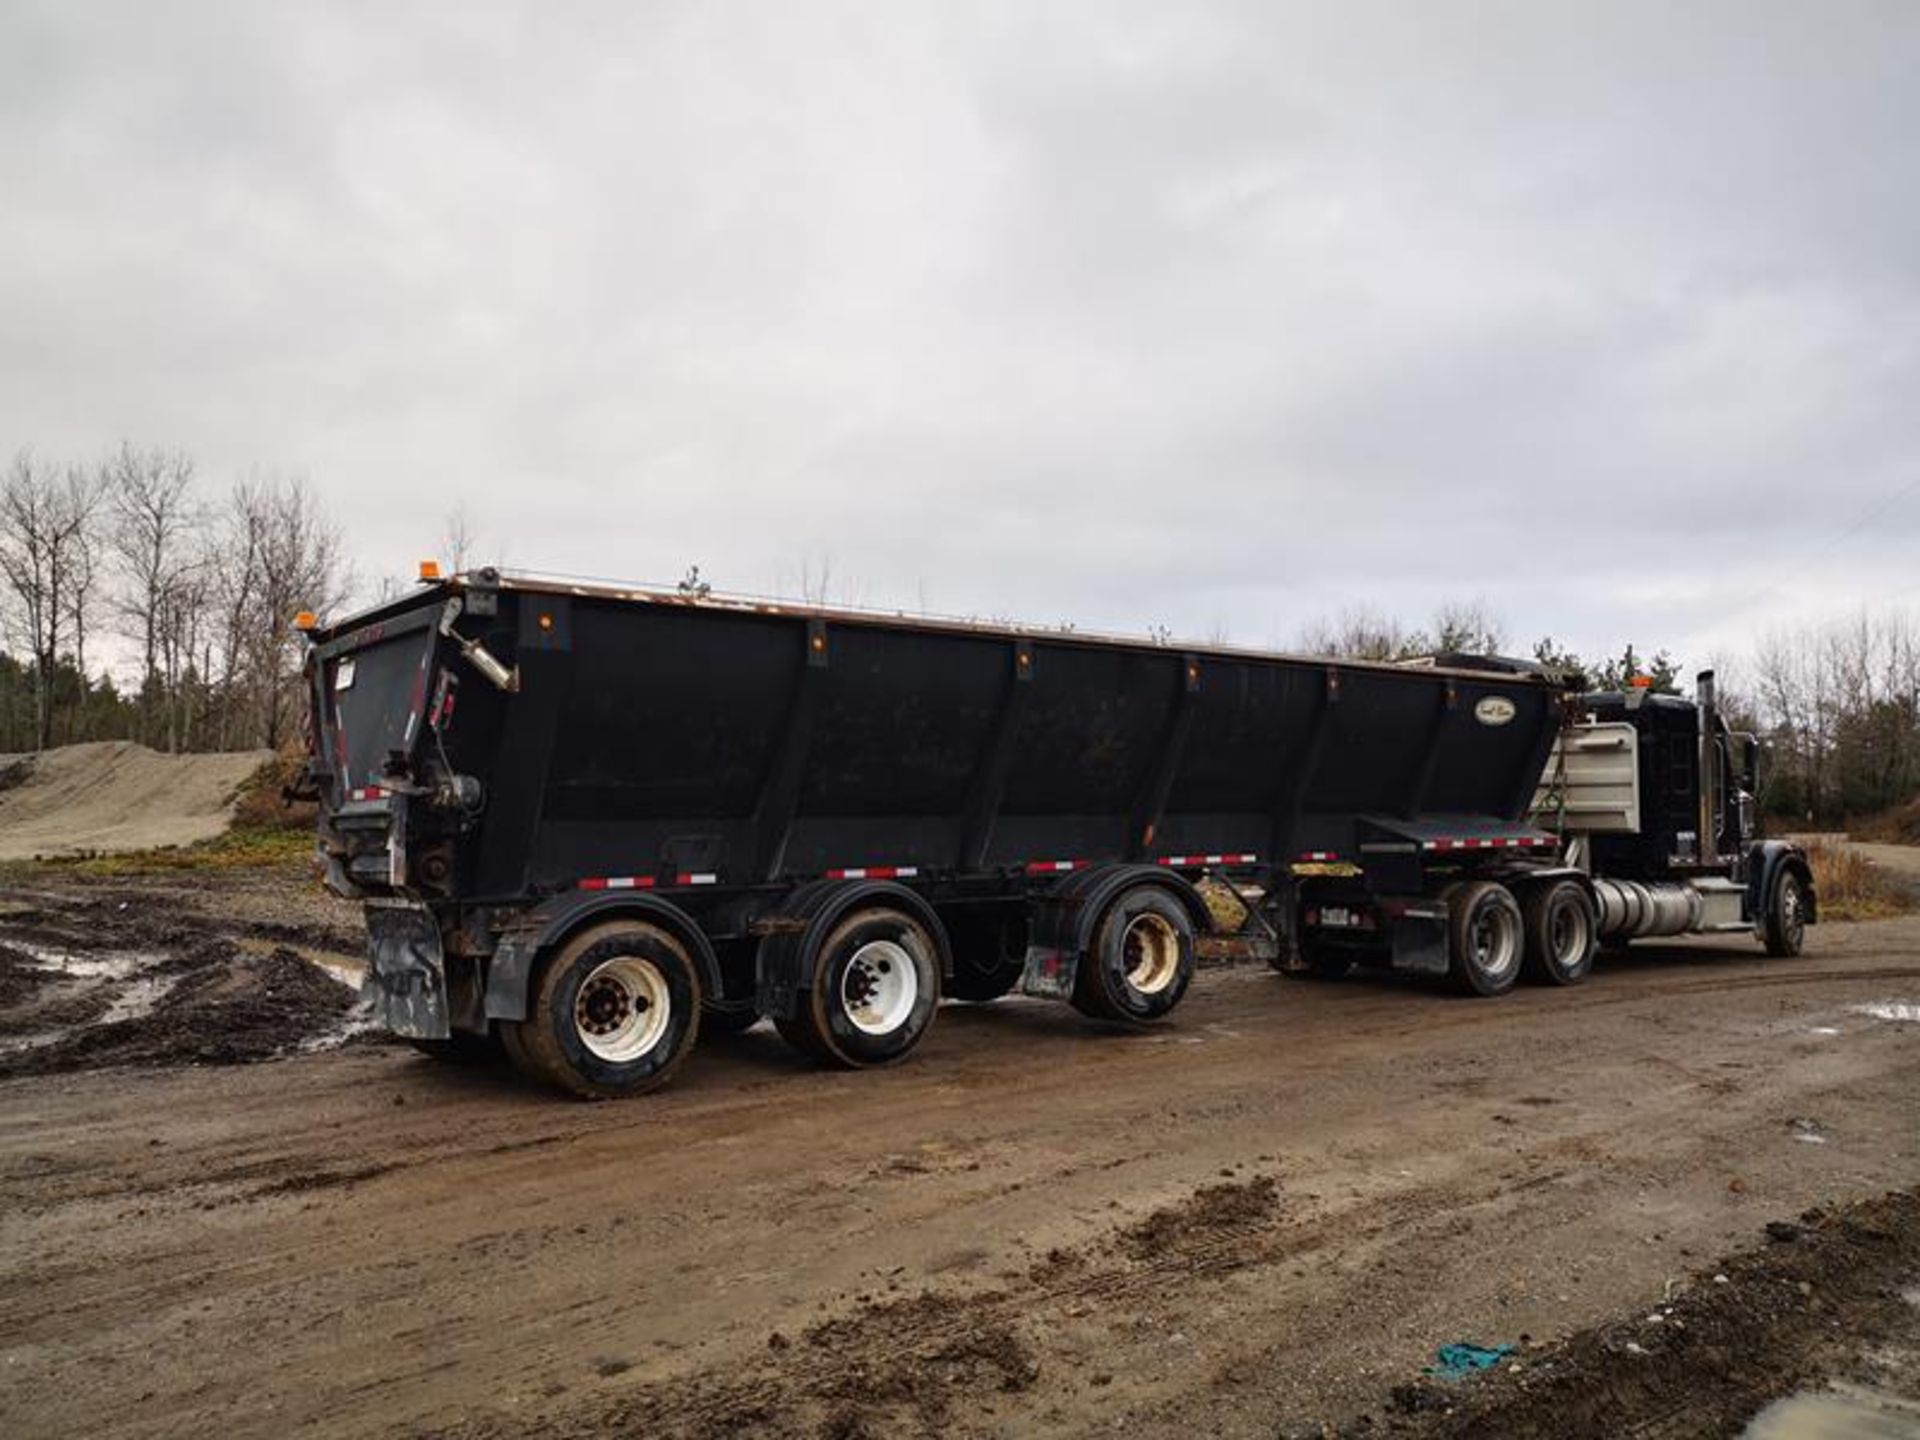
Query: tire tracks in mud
{"points": [[854, 1373]]}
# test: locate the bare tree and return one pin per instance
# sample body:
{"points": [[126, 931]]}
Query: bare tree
{"points": [[1467, 627], [156, 544], [457, 541], [1363, 634], [280, 555], [46, 538]]}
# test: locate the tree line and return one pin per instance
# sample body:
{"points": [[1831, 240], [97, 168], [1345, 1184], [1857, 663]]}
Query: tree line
{"points": [[1836, 703], [200, 586]]}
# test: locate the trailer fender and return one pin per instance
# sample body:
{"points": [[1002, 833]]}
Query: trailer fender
{"points": [[511, 971], [1065, 917], [1766, 861], [784, 963]]}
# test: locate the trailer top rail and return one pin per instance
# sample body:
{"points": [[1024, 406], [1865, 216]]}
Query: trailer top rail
{"points": [[748, 603]]}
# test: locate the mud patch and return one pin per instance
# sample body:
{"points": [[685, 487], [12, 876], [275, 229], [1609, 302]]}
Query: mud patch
{"points": [[307, 1181], [1203, 1217], [1820, 1303], [214, 1004]]}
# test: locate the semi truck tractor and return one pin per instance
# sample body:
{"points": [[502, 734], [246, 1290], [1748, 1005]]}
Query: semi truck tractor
{"points": [[589, 823]]}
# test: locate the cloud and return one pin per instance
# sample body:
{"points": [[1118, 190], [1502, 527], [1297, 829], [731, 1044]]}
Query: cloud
{"points": [[1197, 316]]}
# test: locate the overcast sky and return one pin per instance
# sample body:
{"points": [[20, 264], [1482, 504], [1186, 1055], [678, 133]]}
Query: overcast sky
{"points": [[1210, 316]]}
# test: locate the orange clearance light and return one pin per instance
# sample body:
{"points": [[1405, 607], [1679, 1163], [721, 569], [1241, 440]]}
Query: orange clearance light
{"points": [[429, 570], [305, 620], [546, 622], [1642, 682]]}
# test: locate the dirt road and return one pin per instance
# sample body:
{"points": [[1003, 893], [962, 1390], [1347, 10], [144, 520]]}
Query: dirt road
{"points": [[1263, 1217]]}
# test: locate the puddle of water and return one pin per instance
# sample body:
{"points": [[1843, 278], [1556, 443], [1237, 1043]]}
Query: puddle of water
{"points": [[336, 1036], [1899, 1011], [137, 998], [14, 1044], [1846, 1412], [107, 965], [348, 972], [136, 993]]}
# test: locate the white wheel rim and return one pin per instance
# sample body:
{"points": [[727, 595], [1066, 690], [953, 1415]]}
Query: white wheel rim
{"points": [[879, 987], [1151, 947], [622, 1009]]}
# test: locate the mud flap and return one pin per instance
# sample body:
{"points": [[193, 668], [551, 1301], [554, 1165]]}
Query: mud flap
{"points": [[406, 984], [1420, 943], [1049, 972]]}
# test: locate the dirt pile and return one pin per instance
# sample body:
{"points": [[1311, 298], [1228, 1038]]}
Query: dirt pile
{"points": [[114, 795], [1821, 1300], [1211, 1212]]}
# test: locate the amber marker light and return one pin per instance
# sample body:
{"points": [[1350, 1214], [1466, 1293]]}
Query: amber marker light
{"points": [[305, 620], [429, 570]]}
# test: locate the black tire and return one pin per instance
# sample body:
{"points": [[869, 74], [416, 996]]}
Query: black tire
{"points": [[730, 1020], [1486, 937], [462, 1048], [614, 1012], [987, 961], [875, 990], [1786, 919], [1560, 925], [1141, 959]]}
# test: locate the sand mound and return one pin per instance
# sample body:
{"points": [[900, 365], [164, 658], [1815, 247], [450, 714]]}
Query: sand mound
{"points": [[115, 795]]}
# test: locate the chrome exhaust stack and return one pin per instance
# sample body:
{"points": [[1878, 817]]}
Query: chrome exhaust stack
{"points": [[1710, 806]]}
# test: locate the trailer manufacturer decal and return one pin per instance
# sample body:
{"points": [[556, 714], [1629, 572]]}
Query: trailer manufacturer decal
{"points": [[1495, 710]]}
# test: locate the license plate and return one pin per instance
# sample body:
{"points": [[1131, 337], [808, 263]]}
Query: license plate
{"points": [[1339, 917]]}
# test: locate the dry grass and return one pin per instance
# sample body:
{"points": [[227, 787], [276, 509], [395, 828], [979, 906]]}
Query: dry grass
{"points": [[243, 847], [259, 806], [1852, 887], [1898, 826]]}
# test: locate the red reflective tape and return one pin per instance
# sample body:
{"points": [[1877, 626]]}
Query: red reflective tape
{"points": [[618, 882], [1052, 867], [702, 879], [1319, 856], [875, 872]]}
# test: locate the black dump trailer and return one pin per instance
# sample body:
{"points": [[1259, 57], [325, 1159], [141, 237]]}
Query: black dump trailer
{"points": [[588, 822]]}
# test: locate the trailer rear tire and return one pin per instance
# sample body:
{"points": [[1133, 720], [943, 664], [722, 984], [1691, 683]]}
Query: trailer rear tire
{"points": [[614, 1012], [1786, 927], [1141, 959], [1560, 931], [1486, 935], [876, 986]]}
